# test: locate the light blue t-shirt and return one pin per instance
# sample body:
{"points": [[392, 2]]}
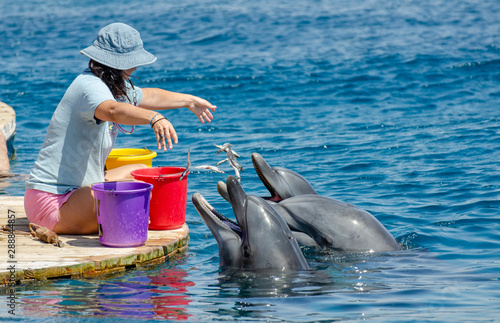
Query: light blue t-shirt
{"points": [[77, 144]]}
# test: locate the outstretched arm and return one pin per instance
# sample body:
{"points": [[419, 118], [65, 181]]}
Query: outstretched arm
{"points": [[159, 99]]}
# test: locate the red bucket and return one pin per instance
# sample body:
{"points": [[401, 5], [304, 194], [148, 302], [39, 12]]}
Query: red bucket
{"points": [[168, 198]]}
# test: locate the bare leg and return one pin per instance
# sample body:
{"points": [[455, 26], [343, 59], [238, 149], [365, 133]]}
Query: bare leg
{"points": [[78, 214], [122, 173]]}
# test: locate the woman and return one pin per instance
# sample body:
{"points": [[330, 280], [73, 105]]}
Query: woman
{"points": [[84, 126]]}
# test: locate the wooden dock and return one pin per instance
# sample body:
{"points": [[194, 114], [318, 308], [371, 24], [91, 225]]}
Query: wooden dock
{"points": [[25, 258], [7, 121]]}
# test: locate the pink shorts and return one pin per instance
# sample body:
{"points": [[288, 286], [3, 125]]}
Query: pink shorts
{"points": [[42, 208]]}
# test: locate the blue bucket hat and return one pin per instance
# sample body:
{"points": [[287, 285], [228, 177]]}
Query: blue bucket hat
{"points": [[119, 46]]}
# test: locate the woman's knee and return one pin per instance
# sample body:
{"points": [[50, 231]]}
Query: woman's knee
{"points": [[122, 173]]}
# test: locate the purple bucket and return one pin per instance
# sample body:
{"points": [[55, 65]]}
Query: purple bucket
{"points": [[122, 213]]}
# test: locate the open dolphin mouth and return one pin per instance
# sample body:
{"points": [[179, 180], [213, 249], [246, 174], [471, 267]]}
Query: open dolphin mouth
{"points": [[263, 179], [274, 195], [215, 214]]}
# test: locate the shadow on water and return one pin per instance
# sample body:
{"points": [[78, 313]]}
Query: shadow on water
{"points": [[331, 272], [244, 284]]}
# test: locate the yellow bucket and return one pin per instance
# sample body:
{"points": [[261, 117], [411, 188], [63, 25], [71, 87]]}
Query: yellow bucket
{"points": [[126, 156]]}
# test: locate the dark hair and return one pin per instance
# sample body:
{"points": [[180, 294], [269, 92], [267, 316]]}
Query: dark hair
{"points": [[113, 79]]}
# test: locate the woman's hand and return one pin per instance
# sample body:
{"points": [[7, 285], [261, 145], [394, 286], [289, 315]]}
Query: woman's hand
{"points": [[201, 108], [164, 132]]}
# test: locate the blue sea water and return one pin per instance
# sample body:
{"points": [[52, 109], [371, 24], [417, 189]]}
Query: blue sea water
{"points": [[388, 105]]}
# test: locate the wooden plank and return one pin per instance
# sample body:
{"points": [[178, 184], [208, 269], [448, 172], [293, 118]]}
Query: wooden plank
{"points": [[7, 120], [25, 258]]}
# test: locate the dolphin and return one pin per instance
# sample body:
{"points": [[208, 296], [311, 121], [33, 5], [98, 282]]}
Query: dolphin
{"points": [[259, 239], [335, 224], [315, 220]]}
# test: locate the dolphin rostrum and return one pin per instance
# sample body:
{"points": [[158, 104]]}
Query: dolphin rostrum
{"points": [[259, 239], [281, 182]]}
